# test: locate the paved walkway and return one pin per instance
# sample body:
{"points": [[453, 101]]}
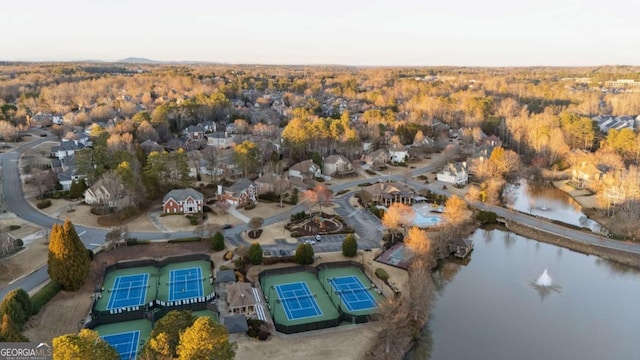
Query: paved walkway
{"points": [[233, 211], [154, 217]]}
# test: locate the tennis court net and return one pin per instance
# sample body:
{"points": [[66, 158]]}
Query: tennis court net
{"points": [[128, 288]]}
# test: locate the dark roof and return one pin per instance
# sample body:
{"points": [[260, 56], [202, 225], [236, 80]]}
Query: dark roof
{"points": [[224, 276], [183, 194], [240, 185], [235, 324]]}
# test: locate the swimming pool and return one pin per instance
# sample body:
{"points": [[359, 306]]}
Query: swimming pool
{"points": [[424, 217]]}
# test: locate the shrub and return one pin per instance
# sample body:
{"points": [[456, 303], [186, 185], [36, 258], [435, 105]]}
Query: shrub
{"points": [[250, 206], [134, 242], [185, 239], [43, 204], [17, 305], [342, 192], [39, 299], [487, 217], [350, 246], [193, 221], [224, 267], [18, 243], [91, 254], [14, 227], [294, 196], [216, 243], [228, 255], [381, 274], [263, 335]]}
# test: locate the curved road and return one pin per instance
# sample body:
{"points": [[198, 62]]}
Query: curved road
{"points": [[366, 228]]}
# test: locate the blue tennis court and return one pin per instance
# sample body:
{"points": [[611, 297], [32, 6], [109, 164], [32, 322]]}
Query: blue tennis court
{"points": [[128, 290], [354, 295], [185, 284], [297, 301], [126, 344]]}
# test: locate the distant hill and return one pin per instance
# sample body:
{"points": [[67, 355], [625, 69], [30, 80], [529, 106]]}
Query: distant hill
{"points": [[137, 60]]}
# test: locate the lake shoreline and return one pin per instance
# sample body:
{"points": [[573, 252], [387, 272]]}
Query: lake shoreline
{"points": [[622, 257]]}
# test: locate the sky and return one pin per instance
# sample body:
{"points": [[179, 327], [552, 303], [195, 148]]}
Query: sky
{"points": [[347, 32]]}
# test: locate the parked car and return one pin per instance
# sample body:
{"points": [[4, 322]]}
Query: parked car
{"points": [[310, 242], [227, 226], [318, 238]]}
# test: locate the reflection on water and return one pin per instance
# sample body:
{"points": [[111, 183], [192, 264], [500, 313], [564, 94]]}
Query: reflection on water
{"points": [[548, 202], [489, 309]]}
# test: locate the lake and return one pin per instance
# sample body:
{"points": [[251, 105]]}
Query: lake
{"points": [[490, 309]]}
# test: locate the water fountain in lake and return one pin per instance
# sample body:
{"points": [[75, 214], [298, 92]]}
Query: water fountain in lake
{"points": [[544, 279], [544, 285]]}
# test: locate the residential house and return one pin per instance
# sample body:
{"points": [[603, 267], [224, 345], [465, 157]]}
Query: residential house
{"points": [[336, 164], [398, 154], [241, 299], [586, 175], [608, 122], [376, 158], [186, 201], [194, 132], [387, 193], [220, 140], [454, 173], [98, 194], [242, 192], [41, 120], [69, 173], [149, 146], [267, 182], [305, 170], [65, 149]]}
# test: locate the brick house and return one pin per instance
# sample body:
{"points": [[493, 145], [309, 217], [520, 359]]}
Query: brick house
{"points": [[186, 201]]}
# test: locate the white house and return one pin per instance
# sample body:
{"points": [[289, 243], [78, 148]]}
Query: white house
{"points": [[454, 173], [398, 154], [304, 169], [336, 164]]}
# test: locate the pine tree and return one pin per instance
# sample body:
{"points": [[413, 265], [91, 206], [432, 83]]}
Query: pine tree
{"points": [[304, 254], [68, 258], [9, 331], [255, 254], [205, 339]]}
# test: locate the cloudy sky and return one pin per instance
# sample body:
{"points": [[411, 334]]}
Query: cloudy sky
{"points": [[350, 32]]}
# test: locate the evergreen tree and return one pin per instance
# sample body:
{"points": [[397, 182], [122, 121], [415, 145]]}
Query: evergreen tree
{"points": [[304, 254], [9, 331], [17, 304], [68, 258], [77, 189], [217, 241], [205, 339], [86, 344], [255, 253], [350, 246]]}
